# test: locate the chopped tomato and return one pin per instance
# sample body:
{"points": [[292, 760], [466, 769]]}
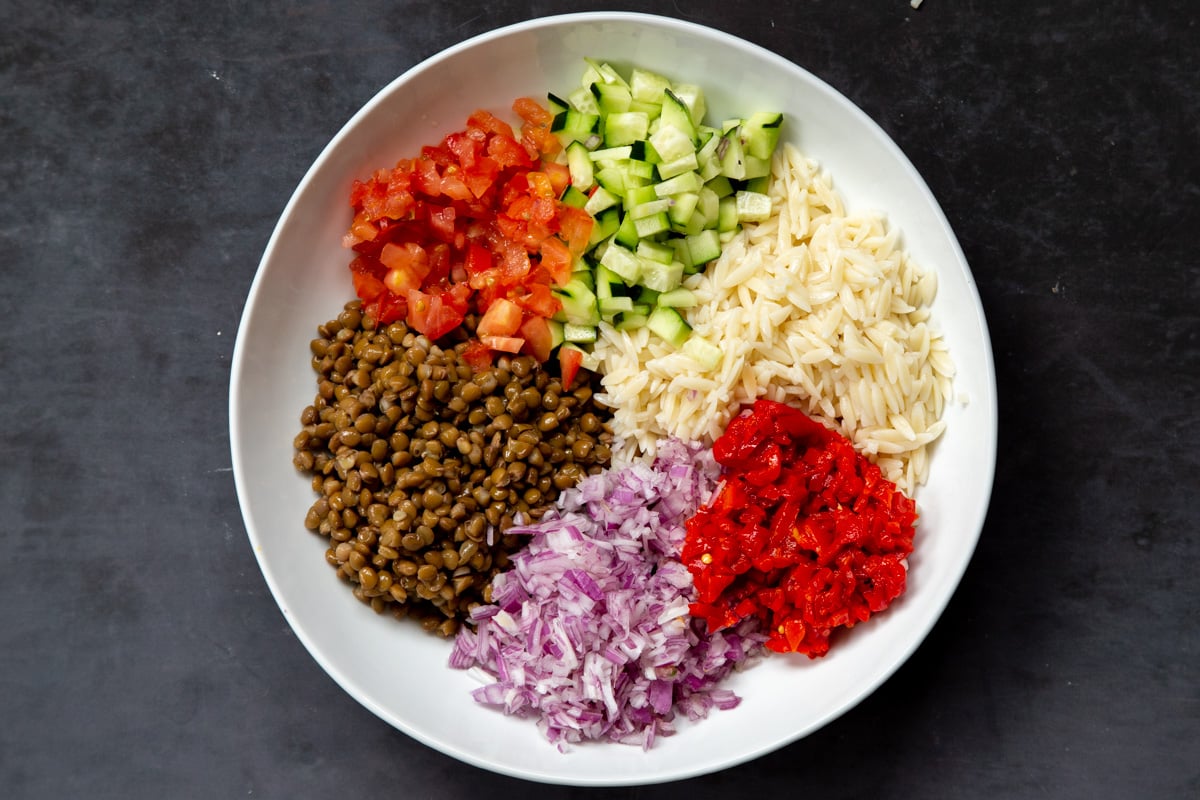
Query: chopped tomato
{"points": [[540, 300], [560, 176], [367, 286], [539, 341], [490, 123], [401, 281], [410, 257], [557, 260], [479, 259], [505, 344], [570, 359], [502, 318], [477, 355], [431, 314], [474, 223], [362, 229], [575, 227], [532, 111]]}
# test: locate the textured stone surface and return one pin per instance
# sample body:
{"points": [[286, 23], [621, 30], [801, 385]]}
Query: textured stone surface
{"points": [[145, 153]]}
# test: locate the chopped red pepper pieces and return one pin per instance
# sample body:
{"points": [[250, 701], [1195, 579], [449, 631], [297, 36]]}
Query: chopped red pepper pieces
{"points": [[805, 533]]}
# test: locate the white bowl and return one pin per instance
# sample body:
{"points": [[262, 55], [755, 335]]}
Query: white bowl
{"points": [[399, 672]]}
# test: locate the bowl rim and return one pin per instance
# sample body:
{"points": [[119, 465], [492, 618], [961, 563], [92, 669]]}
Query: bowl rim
{"points": [[237, 365]]}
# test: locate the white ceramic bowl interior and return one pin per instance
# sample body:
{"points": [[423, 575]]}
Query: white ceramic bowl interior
{"points": [[400, 673]]}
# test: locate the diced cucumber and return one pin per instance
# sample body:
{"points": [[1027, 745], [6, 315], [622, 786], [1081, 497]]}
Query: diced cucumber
{"points": [[642, 170], [692, 97], [708, 204], [683, 206], [555, 103], [641, 308], [720, 185], [651, 110], [656, 206], [710, 169], [661, 277], [655, 251], [606, 279], [727, 220], [605, 225], [629, 322], [752, 206], [678, 297], [583, 101], [687, 182], [756, 167], [731, 154], [582, 171], [702, 247], [578, 303], [611, 179], [579, 333], [623, 263], [704, 352], [556, 332], [601, 71], [762, 185], [762, 133], [583, 272], [574, 198], [670, 169], [619, 153], [668, 189], [638, 195], [627, 234], [647, 86], [669, 324], [710, 140], [572, 125], [611, 98], [600, 200], [611, 306], [626, 127], [676, 114], [671, 143], [651, 225]]}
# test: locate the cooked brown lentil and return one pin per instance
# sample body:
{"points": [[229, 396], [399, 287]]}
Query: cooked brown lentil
{"points": [[421, 464]]}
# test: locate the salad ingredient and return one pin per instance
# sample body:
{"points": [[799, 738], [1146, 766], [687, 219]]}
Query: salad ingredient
{"points": [[589, 630], [423, 462], [471, 223], [815, 307], [665, 189], [804, 533]]}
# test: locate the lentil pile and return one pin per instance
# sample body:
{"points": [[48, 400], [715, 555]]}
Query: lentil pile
{"points": [[421, 463]]}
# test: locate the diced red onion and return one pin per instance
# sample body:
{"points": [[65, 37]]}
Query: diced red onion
{"points": [[589, 631]]}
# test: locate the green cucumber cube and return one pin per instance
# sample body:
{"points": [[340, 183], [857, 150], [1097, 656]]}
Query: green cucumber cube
{"points": [[627, 127], [622, 262], [655, 251], [704, 352], [649, 226], [752, 206], [687, 182], [669, 324], [647, 86]]}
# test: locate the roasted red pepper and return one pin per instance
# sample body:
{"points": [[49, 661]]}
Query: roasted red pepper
{"points": [[805, 533]]}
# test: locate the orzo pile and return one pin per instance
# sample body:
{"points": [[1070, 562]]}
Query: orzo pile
{"points": [[816, 307]]}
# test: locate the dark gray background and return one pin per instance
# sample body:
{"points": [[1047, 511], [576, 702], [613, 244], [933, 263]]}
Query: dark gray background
{"points": [[146, 151]]}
